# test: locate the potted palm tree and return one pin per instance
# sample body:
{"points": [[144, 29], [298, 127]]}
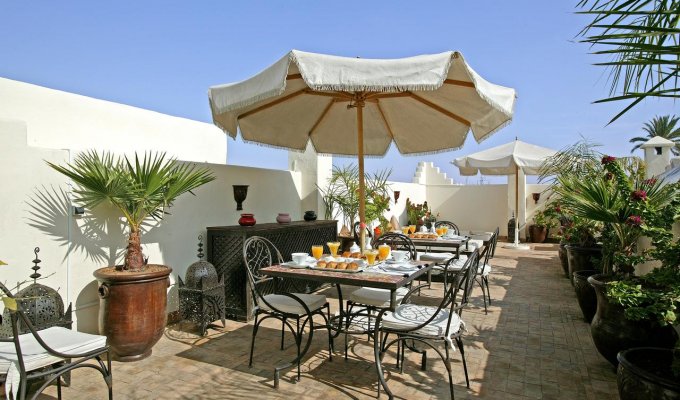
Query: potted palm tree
{"points": [[133, 297]]}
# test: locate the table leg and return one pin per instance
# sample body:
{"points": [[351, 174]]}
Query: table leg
{"points": [[393, 299]]}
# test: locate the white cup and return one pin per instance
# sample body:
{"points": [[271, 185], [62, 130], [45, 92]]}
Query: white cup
{"points": [[299, 258], [399, 255]]}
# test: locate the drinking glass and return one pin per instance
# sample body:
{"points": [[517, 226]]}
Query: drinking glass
{"points": [[370, 256], [333, 247], [444, 230], [317, 251], [412, 228], [440, 231], [405, 230], [383, 251]]}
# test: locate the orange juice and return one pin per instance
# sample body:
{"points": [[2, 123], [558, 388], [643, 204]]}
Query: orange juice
{"points": [[370, 256], [412, 228], [439, 231], [405, 230], [317, 251], [383, 251], [333, 247], [444, 230]]}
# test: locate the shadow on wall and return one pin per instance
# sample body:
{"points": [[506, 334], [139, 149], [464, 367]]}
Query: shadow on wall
{"points": [[98, 235], [87, 308]]}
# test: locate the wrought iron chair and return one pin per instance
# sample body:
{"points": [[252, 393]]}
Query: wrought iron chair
{"points": [[357, 233], [48, 354], [418, 325], [259, 252], [369, 300], [447, 224], [482, 277]]}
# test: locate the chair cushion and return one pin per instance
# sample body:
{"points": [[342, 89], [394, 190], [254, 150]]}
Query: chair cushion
{"points": [[375, 297], [475, 244], [35, 356], [291, 306], [485, 270], [411, 315], [436, 257]]}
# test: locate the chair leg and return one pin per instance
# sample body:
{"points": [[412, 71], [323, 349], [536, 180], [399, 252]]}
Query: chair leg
{"points": [[481, 285], [298, 342], [109, 379], [252, 342], [330, 335], [59, 388], [459, 341], [283, 331], [488, 292]]}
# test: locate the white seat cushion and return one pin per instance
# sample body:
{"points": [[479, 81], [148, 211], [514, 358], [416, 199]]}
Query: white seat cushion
{"points": [[291, 306], [485, 270], [35, 356], [475, 244], [411, 315], [375, 297], [436, 257]]}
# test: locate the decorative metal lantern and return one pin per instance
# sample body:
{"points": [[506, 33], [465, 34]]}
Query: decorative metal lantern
{"points": [[42, 305], [201, 298]]}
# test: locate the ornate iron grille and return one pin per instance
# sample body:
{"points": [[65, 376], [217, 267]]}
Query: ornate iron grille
{"points": [[225, 252]]}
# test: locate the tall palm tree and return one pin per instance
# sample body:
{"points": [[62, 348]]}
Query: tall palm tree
{"points": [[665, 126]]}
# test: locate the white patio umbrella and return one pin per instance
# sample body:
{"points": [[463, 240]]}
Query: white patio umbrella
{"points": [[506, 159], [354, 106]]}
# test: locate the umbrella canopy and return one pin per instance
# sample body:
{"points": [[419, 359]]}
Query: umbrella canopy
{"points": [[506, 159], [354, 106]]}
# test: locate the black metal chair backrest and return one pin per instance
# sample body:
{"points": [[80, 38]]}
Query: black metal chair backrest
{"points": [[258, 253], [397, 241], [489, 249], [494, 241], [450, 225]]}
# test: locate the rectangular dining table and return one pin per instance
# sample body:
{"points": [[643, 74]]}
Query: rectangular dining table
{"points": [[389, 281], [428, 244]]}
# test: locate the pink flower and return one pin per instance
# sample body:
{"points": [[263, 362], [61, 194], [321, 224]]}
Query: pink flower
{"points": [[608, 160], [649, 181], [609, 176], [558, 209], [639, 195], [634, 220]]}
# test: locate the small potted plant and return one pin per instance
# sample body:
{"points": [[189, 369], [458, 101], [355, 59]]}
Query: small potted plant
{"points": [[132, 295], [543, 222], [416, 213]]}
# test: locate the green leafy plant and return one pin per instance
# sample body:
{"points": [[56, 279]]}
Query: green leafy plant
{"points": [[665, 126], [416, 212], [142, 189], [341, 195], [641, 39]]}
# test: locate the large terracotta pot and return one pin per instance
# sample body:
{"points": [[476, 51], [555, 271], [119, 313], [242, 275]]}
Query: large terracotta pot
{"points": [[585, 293], [562, 252], [132, 309], [538, 234], [645, 373], [613, 332], [582, 258]]}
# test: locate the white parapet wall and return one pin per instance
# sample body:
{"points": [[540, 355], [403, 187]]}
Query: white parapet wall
{"points": [[36, 211], [62, 120]]}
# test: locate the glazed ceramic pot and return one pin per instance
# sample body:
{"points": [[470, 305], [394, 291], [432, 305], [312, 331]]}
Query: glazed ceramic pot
{"points": [[646, 373], [310, 216], [564, 261], [247, 220], [582, 258], [585, 293], [283, 218]]}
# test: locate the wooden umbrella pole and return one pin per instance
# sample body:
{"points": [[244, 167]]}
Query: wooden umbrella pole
{"points": [[362, 184]]}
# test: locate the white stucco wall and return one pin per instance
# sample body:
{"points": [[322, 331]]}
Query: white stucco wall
{"points": [[62, 120], [35, 210]]}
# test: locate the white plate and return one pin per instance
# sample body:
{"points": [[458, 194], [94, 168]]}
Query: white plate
{"points": [[394, 262], [400, 267], [292, 264]]}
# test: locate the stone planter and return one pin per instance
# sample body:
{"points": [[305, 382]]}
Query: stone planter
{"points": [[612, 332], [585, 293], [645, 373], [538, 234], [582, 258], [132, 309]]}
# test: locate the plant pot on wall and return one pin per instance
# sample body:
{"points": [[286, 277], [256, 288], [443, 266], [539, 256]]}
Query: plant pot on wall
{"points": [[582, 258], [612, 332], [537, 233], [132, 309], [646, 373]]}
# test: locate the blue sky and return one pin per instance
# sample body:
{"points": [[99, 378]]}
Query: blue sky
{"points": [[163, 56]]}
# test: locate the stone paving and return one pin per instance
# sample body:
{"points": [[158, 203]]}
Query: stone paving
{"points": [[533, 344]]}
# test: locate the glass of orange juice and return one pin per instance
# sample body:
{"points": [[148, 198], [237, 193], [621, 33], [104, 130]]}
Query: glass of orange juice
{"points": [[383, 251], [333, 247], [444, 230], [317, 251], [370, 256], [412, 228], [439, 231], [405, 230]]}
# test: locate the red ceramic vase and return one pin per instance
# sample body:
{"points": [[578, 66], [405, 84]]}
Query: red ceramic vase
{"points": [[246, 220]]}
